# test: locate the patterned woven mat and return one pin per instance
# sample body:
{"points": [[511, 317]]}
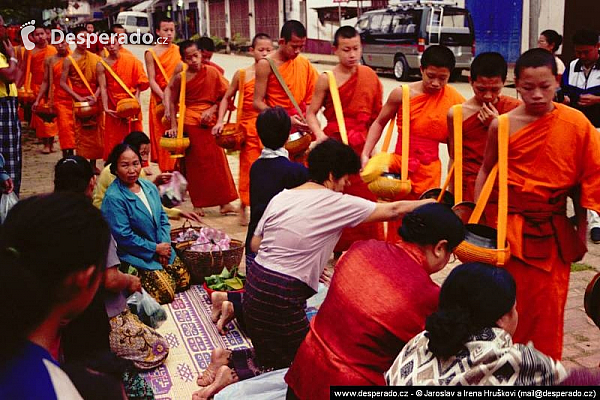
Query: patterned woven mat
{"points": [[191, 336]]}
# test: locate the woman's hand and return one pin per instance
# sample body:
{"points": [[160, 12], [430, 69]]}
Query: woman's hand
{"points": [[135, 285], [162, 178], [190, 215], [163, 249]]}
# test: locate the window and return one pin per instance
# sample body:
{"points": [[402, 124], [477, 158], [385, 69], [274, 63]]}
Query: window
{"points": [[405, 22], [137, 21], [362, 24], [380, 23]]}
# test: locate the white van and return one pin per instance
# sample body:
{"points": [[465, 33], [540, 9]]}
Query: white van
{"points": [[134, 20]]}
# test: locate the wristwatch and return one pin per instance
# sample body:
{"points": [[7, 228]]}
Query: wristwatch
{"points": [[14, 59]]}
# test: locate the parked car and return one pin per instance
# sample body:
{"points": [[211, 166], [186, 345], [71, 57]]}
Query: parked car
{"points": [[394, 38], [134, 20]]}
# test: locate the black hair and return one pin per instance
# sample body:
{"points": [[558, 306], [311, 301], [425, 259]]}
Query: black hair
{"points": [[72, 174], [292, 27], [489, 65], [553, 38], [119, 26], [438, 56], [585, 37], [205, 43], [116, 152], [90, 23], [184, 45], [273, 126], [431, 223], [260, 36], [473, 297], [332, 157], [136, 139], [45, 239], [535, 58], [77, 30], [344, 32], [163, 19]]}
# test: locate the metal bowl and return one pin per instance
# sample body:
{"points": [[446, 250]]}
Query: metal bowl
{"points": [[481, 235], [391, 175], [447, 198]]}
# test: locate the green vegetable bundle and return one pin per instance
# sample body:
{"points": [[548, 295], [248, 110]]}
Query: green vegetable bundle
{"points": [[226, 280]]}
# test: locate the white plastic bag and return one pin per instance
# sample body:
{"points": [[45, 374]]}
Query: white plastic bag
{"points": [[7, 201], [147, 309], [172, 193]]}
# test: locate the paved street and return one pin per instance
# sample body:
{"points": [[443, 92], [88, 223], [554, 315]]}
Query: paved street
{"points": [[582, 338]]}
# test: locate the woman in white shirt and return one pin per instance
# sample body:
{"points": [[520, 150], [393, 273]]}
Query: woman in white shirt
{"points": [[551, 40]]}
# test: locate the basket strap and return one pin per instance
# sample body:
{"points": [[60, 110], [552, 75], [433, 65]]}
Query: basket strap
{"points": [[285, 87], [160, 66], [241, 79], [388, 135], [503, 127], [484, 196], [446, 184], [337, 106], [118, 79], [458, 153], [81, 75], [182, 89], [51, 83]]}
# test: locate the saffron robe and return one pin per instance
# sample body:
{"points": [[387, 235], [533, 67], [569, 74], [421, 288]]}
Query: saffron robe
{"points": [[209, 178], [169, 60], [361, 98], [89, 138], [474, 139], [38, 56], [212, 64], [379, 298], [63, 104], [547, 159], [252, 146], [131, 72], [428, 128], [301, 78]]}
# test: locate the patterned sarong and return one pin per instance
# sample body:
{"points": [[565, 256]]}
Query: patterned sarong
{"points": [[10, 139]]}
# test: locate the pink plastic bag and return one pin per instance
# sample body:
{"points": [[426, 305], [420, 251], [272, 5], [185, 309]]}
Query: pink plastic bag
{"points": [[172, 193]]}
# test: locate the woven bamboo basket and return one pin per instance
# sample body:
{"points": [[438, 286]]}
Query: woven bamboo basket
{"points": [[46, 112], [231, 138], [390, 187], [26, 96], [203, 264]]}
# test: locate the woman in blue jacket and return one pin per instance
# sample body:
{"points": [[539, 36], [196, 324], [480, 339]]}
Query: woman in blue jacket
{"points": [[141, 228]]}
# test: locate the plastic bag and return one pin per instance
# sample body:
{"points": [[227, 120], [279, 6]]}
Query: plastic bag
{"points": [[172, 193], [7, 201], [147, 309]]}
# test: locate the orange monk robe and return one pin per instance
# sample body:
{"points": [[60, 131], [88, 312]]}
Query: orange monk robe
{"points": [[63, 104], [428, 128], [252, 146], [88, 137], [38, 56], [546, 160], [301, 78], [209, 179], [169, 59], [131, 72], [361, 98], [474, 139], [212, 64]]}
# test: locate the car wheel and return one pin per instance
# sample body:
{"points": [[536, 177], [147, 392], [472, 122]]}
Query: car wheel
{"points": [[400, 68]]}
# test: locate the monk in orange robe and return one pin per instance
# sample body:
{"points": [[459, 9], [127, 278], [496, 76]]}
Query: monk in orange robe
{"points": [[262, 46], [131, 72], [553, 153], [488, 74], [121, 33], [43, 130], [168, 56], [207, 49], [61, 100], [296, 71], [361, 95], [88, 133], [430, 100], [209, 179]]}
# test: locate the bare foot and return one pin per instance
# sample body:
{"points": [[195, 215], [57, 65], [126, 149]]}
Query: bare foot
{"points": [[45, 150], [243, 218], [199, 211], [217, 299], [227, 209], [227, 315], [225, 376], [218, 358]]}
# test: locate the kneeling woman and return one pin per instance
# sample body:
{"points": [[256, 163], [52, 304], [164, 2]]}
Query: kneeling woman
{"points": [[294, 240], [468, 341], [141, 227]]}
